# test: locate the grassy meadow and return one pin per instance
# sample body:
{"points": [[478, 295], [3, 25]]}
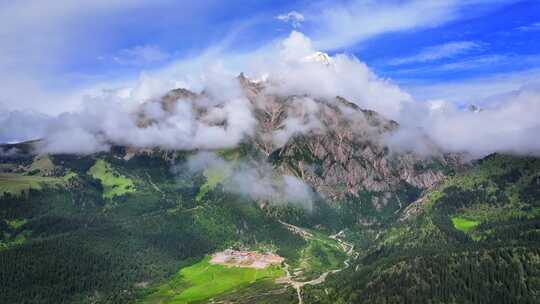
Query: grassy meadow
{"points": [[16, 184], [114, 184], [463, 224], [203, 281]]}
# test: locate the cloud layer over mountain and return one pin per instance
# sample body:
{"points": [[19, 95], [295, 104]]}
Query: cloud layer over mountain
{"points": [[288, 67], [257, 181]]}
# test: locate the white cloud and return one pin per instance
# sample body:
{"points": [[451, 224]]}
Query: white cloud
{"points": [[293, 17], [42, 43], [336, 26], [486, 62], [437, 52], [510, 124], [462, 64], [141, 55], [346, 76], [472, 63], [50, 31], [220, 121], [58, 30], [339, 26], [284, 63], [507, 123], [37, 39], [480, 90], [16, 126], [256, 180], [108, 117], [530, 28]]}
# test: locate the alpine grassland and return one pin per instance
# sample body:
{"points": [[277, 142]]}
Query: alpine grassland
{"points": [[114, 184], [203, 281]]}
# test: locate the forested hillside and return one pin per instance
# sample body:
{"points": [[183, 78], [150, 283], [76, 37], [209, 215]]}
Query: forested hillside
{"points": [[473, 239], [354, 221], [71, 241]]}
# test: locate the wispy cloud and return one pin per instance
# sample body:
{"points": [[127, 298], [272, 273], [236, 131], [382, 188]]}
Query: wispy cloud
{"points": [[340, 26], [474, 90], [472, 63], [530, 28], [292, 17], [477, 62], [105, 122], [62, 39], [58, 31], [53, 34], [50, 30], [337, 26], [437, 52], [141, 55]]}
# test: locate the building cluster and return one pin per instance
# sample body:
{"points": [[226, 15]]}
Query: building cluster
{"points": [[246, 259]]}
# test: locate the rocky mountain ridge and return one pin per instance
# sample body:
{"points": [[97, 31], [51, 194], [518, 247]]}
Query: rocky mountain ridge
{"points": [[338, 148]]}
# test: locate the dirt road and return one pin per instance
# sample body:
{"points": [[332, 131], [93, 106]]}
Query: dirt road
{"points": [[348, 248]]}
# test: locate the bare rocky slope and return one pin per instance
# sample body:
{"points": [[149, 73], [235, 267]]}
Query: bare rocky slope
{"points": [[338, 148]]}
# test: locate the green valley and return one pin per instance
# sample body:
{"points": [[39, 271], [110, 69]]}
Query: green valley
{"points": [[203, 281], [270, 152], [104, 228], [140, 232]]}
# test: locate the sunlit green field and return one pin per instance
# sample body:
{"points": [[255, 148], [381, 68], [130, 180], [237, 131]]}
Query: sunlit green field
{"points": [[16, 184], [463, 224], [42, 163], [320, 255], [213, 178], [203, 281], [113, 183]]}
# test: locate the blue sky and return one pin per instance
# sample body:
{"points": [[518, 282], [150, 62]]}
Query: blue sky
{"points": [[495, 38], [500, 40], [48, 50]]}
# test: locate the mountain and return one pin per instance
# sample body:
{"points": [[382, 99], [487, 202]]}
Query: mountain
{"points": [[313, 181], [472, 239], [336, 147]]}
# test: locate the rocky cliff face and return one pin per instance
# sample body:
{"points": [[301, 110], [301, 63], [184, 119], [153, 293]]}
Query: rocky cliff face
{"points": [[335, 146]]}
